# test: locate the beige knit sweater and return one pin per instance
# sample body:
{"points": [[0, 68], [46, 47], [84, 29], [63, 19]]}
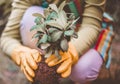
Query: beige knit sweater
{"points": [[88, 32]]}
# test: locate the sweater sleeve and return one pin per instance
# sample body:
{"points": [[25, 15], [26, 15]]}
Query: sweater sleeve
{"points": [[10, 37], [91, 25]]}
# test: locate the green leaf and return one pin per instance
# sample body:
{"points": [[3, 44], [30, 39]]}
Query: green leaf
{"points": [[53, 7], [62, 20], [44, 45], [48, 54], [36, 35], [49, 39], [62, 5], [52, 15], [69, 32], [51, 30], [46, 12], [71, 17], [38, 20], [64, 45], [38, 28], [54, 23], [68, 24], [56, 36], [74, 22], [38, 15], [34, 27], [43, 39], [57, 54]]}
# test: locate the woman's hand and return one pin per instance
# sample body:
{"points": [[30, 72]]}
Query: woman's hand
{"points": [[27, 59], [68, 59]]}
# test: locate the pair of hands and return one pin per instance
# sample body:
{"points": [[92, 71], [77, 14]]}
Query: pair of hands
{"points": [[28, 58]]}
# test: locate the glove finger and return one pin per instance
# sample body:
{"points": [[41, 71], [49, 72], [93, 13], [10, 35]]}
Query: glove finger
{"points": [[74, 58], [64, 66], [73, 53], [28, 69], [31, 61], [56, 61], [36, 55], [52, 57], [26, 74], [66, 73]]}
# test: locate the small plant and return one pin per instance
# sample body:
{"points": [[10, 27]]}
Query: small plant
{"points": [[54, 29]]}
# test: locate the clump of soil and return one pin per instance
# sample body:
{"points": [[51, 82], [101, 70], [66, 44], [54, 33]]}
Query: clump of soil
{"points": [[45, 74]]}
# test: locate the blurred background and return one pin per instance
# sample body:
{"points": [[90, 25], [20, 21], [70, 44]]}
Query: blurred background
{"points": [[11, 74]]}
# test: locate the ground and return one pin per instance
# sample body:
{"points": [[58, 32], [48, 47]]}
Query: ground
{"points": [[9, 72]]}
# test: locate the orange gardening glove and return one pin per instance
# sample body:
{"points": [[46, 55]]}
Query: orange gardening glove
{"points": [[27, 59], [68, 59]]}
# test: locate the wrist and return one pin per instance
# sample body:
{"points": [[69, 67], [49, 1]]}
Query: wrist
{"points": [[14, 47]]}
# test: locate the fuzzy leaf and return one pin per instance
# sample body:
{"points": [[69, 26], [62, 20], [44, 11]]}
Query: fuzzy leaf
{"points": [[62, 5], [74, 21], [69, 32], [67, 25], [34, 27], [52, 15], [54, 23], [64, 45], [49, 39], [36, 35], [43, 39], [53, 7], [62, 19], [57, 54], [56, 36], [44, 45], [51, 30], [38, 28], [38, 20], [72, 17], [48, 54], [46, 12], [38, 15]]}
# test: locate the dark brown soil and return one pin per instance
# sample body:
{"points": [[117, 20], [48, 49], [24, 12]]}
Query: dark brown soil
{"points": [[46, 74]]}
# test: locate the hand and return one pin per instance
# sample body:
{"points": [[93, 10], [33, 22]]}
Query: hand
{"points": [[27, 59], [68, 59]]}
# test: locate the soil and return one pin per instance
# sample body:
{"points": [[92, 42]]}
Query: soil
{"points": [[46, 74]]}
